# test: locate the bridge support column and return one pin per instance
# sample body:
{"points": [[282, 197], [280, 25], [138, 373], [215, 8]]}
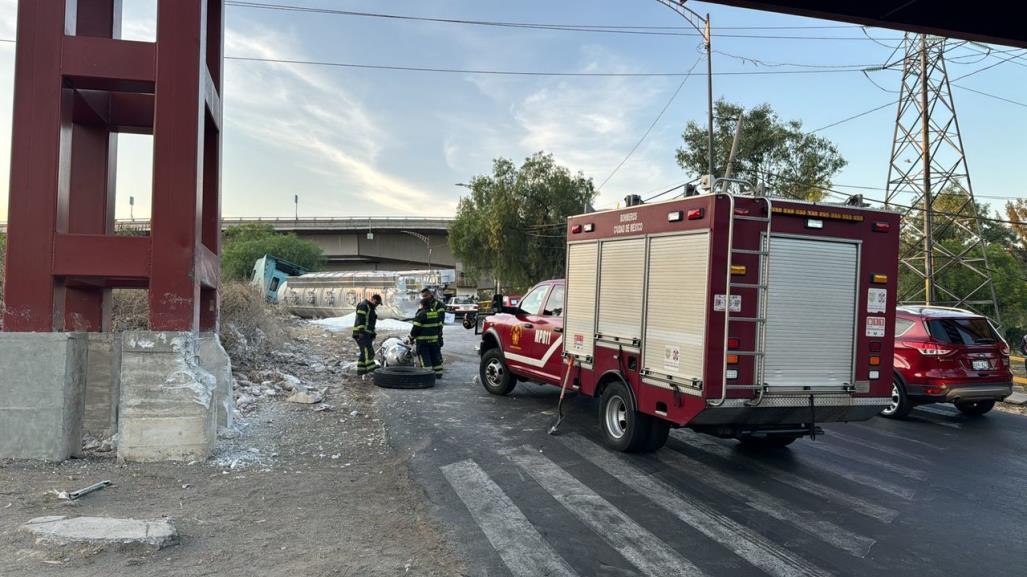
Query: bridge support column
{"points": [[77, 85]]}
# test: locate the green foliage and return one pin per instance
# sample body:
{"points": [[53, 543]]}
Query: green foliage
{"points": [[1016, 212], [775, 154], [243, 245], [1007, 259], [512, 226]]}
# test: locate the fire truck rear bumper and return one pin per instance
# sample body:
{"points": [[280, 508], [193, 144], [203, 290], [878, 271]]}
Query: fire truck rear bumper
{"points": [[792, 410]]}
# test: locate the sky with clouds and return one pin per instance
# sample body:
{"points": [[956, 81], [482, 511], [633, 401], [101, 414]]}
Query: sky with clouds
{"points": [[356, 142]]}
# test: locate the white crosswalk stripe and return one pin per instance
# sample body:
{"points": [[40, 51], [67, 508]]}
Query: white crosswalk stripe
{"points": [[805, 520], [747, 544], [831, 465], [841, 498], [639, 546], [519, 544], [866, 460], [878, 447], [902, 439]]}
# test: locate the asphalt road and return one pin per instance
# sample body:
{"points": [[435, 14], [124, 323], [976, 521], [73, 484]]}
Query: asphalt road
{"points": [[937, 494]]}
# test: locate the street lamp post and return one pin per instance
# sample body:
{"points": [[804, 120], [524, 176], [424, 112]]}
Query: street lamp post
{"points": [[694, 19]]}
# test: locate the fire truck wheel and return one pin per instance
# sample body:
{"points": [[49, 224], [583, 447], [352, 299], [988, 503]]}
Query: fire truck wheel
{"points": [[624, 428], [658, 433], [900, 405], [495, 377]]}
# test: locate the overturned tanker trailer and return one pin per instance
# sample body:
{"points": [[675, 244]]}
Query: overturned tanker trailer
{"points": [[336, 294]]}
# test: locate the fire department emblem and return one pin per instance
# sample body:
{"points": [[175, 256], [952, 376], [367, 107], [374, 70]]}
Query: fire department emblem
{"points": [[515, 336]]}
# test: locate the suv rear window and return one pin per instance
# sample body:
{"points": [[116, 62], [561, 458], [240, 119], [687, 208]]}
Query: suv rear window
{"points": [[971, 331]]}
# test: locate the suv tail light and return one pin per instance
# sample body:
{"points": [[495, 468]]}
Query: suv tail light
{"points": [[931, 349]]}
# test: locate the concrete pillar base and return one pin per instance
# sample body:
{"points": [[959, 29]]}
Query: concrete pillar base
{"points": [[42, 394], [167, 410], [103, 380], [215, 361]]}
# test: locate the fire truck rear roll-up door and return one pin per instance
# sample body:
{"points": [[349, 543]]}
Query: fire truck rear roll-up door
{"points": [[622, 265], [811, 312], [676, 304], [579, 316]]}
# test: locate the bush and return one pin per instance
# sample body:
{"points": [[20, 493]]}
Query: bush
{"points": [[130, 310], [243, 245], [250, 327]]}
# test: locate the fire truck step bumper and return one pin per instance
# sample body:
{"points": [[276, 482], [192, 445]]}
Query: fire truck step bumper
{"points": [[776, 412]]}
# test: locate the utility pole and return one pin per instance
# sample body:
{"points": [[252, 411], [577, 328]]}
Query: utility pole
{"points": [[296, 201], [702, 26], [928, 165]]}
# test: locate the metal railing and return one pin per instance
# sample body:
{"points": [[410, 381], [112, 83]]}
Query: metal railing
{"points": [[308, 223]]}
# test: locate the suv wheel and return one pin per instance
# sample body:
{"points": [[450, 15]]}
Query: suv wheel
{"points": [[975, 408], [495, 377], [900, 405], [624, 428]]}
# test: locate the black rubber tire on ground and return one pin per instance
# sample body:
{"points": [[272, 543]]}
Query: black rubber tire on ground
{"points": [[901, 408], [766, 442], [469, 321], [404, 378], [975, 408], [494, 374], [624, 428]]}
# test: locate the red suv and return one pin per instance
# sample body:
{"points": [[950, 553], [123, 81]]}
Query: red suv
{"points": [[947, 355]]}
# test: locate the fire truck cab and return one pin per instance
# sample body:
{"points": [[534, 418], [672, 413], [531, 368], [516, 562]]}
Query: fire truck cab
{"points": [[738, 316]]}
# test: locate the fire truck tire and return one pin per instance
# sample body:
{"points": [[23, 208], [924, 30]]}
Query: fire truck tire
{"points": [[766, 442], [900, 404], [658, 434], [624, 428], [495, 376], [404, 378]]}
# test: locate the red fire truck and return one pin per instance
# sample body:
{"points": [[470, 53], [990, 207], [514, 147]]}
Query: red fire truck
{"points": [[739, 316]]}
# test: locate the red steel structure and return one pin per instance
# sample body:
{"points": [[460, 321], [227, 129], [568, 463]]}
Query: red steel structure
{"points": [[77, 85]]}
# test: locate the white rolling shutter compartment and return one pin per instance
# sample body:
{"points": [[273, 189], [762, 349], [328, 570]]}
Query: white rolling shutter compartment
{"points": [[811, 312], [676, 306], [580, 311], [620, 290]]}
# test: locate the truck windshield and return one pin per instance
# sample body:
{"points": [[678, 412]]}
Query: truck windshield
{"points": [[969, 331]]}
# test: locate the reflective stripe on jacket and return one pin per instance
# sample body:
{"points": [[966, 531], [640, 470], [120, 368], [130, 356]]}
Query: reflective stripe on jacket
{"points": [[366, 319]]}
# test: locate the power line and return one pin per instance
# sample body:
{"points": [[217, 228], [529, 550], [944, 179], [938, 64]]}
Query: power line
{"points": [[758, 62], [525, 72], [651, 125], [855, 116], [996, 97], [635, 30]]}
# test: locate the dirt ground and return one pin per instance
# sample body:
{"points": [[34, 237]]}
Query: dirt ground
{"points": [[294, 491]]}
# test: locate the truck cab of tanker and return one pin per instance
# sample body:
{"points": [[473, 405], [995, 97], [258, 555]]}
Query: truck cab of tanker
{"points": [[524, 342]]}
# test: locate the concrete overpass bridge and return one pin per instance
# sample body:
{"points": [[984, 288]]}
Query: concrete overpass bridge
{"points": [[353, 243]]}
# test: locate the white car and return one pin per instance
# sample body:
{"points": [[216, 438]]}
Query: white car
{"points": [[462, 306]]}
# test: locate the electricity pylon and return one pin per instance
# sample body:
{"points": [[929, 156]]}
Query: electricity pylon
{"points": [[943, 258]]}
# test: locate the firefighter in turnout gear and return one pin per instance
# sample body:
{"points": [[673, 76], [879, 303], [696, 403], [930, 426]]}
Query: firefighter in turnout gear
{"points": [[363, 333], [427, 332]]}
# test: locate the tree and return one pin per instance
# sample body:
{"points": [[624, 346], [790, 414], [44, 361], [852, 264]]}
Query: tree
{"points": [[512, 225], [243, 245], [1016, 210], [777, 155]]}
